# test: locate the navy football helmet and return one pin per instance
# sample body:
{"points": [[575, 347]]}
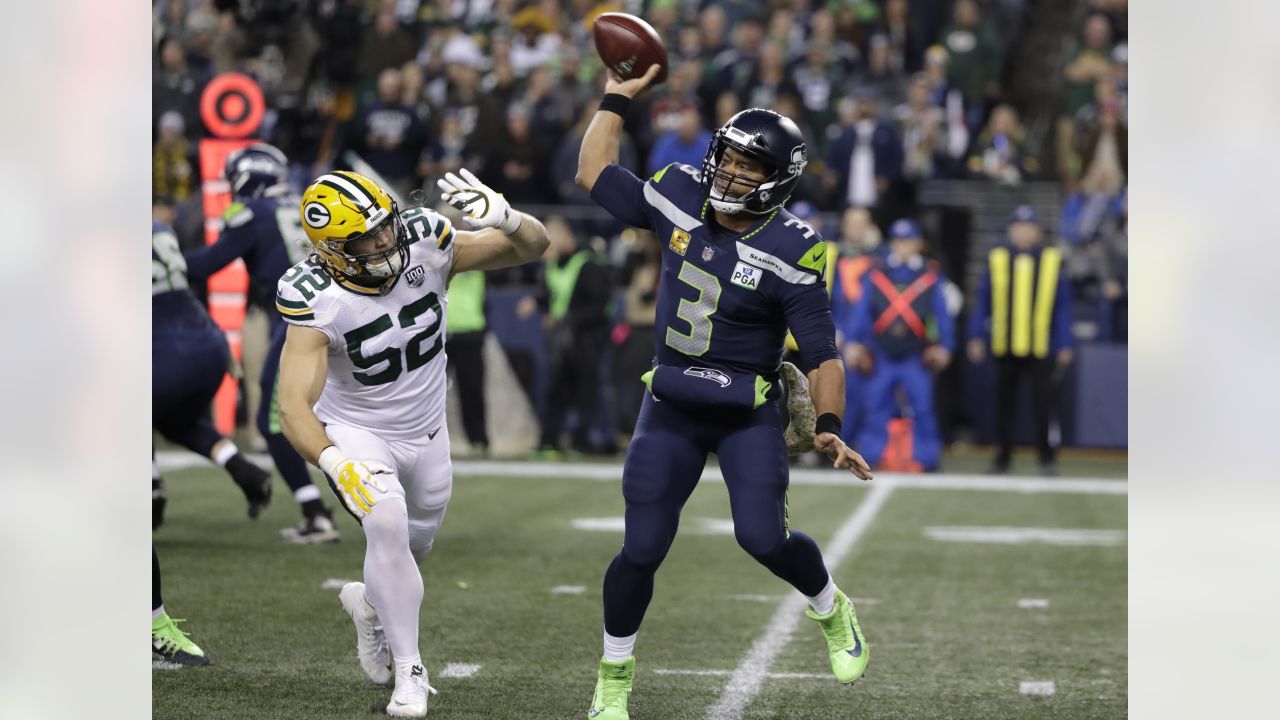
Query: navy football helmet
{"points": [[254, 168], [768, 137]]}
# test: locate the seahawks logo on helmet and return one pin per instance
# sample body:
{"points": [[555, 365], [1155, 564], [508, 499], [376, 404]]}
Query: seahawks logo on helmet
{"points": [[709, 374], [798, 161], [316, 215]]}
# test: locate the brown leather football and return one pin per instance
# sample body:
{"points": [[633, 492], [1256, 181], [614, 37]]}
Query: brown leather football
{"points": [[629, 45]]}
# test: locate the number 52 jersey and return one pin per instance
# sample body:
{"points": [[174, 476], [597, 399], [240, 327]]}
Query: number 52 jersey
{"points": [[386, 352]]}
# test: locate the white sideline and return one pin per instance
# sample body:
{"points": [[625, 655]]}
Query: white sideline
{"points": [[612, 472], [753, 668], [459, 670], [1037, 687]]}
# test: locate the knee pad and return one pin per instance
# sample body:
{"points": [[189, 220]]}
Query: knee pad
{"points": [[760, 545], [387, 522], [643, 562]]}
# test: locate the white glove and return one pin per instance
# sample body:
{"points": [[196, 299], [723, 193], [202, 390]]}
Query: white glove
{"points": [[353, 479], [483, 207]]}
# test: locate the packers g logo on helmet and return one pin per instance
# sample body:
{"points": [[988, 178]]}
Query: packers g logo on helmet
{"points": [[341, 207]]}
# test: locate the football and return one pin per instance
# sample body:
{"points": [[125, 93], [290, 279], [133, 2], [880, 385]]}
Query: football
{"points": [[629, 45]]}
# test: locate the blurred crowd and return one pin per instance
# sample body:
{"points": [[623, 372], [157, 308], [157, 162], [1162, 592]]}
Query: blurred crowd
{"points": [[889, 93]]}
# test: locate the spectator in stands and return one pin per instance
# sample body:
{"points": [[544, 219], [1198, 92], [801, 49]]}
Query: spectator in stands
{"points": [[687, 143], [448, 150], [173, 176], [906, 39], [771, 78], [865, 158], [1090, 66], [565, 165], [819, 78], [575, 303], [822, 32], [877, 76], [1000, 152], [976, 58], [551, 106], [535, 42], [388, 134], [384, 44], [518, 163], [1022, 312], [733, 68], [176, 87], [1112, 248], [922, 127], [1103, 141]]}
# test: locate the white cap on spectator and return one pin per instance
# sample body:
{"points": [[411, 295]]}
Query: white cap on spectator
{"points": [[172, 120], [461, 49]]}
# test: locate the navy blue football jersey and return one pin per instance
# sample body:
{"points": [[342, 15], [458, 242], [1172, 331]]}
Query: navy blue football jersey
{"points": [[726, 299], [266, 231], [174, 309]]}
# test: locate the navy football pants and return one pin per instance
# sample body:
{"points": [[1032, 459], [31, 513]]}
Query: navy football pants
{"points": [[665, 460], [186, 369], [288, 462]]}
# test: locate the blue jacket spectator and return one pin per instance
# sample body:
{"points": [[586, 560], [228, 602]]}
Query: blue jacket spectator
{"points": [[864, 159]]}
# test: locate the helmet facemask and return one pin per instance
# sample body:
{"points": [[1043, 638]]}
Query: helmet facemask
{"points": [[376, 267]]}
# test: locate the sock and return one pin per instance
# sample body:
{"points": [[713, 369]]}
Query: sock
{"points": [[157, 598], [618, 649], [824, 602], [156, 614], [393, 583], [403, 666], [307, 494], [312, 508], [223, 453]]}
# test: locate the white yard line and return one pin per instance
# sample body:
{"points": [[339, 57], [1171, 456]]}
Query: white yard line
{"points": [[459, 670], [1037, 687], [611, 472], [747, 679], [568, 590], [727, 673], [1033, 603]]}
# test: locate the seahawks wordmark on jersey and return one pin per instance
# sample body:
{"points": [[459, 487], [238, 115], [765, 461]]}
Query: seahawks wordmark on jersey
{"points": [[386, 352]]}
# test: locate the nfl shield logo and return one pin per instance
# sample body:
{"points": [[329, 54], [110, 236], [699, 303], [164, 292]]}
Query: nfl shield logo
{"points": [[414, 275], [708, 252]]}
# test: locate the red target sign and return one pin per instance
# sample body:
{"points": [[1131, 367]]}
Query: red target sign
{"points": [[232, 105]]}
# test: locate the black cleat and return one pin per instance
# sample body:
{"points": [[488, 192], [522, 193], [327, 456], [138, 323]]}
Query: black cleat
{"points": [[253, 481]]}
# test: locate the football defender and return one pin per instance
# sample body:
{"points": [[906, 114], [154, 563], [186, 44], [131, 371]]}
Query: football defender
{"points": [[362, 384], [738, 270], [262, 226], [189, 357]]}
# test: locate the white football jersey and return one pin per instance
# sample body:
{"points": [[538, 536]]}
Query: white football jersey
{"points": [[386, 352]]}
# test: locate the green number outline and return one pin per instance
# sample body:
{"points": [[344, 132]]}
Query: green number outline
{"points": [[695, 312], [316, 278], [389, 355]]}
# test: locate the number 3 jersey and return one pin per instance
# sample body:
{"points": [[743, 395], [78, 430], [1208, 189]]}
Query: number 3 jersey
{"points": [[386, 352], [726, 299]]}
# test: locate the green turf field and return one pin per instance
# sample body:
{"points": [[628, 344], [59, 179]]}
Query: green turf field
{"points": [[946, 635]]}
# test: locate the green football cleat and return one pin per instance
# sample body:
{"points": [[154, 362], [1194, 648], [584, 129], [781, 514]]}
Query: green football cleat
{"points": [[845, 644], [172, 646], [613, 688]]}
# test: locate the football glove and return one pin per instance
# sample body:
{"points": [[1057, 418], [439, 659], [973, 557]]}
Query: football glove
{"points": [[353, 480], [803, 416], [482, 207]]}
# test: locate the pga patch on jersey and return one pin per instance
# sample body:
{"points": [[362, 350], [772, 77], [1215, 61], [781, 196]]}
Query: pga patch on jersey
{"points": [[747, 276]]}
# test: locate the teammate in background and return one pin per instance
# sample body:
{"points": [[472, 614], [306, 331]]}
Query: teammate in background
{"points": [[263, 227], [737, 272], [903, 333], [189, 358], [362, 384], [170, 646]]}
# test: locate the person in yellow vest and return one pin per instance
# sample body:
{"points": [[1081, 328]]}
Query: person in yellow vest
{"points": [[1023, 312], [466, 324], [577, 318]]}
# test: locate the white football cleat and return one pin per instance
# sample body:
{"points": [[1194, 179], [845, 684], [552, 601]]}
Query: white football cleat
{"points": [[371, 643], [410, 696]]}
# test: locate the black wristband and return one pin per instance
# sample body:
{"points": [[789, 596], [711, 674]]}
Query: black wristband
{"points": [[828, 423], [616, 103]]}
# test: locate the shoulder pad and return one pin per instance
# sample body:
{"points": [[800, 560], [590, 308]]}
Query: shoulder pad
{"points": [[298, 290], [237, 214], [678, 172], [428, 227]]}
